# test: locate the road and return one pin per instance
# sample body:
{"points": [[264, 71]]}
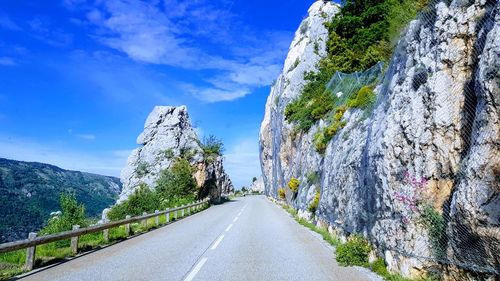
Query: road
{"points": [[249, 238]]}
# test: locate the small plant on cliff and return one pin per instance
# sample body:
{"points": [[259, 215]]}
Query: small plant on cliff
{"points": [[211, 145], [363, 99], [281, 193], [314, 203], [293, 184], [436, 229], [142, 169], [416, 206], [312, 177], [354, 252]]}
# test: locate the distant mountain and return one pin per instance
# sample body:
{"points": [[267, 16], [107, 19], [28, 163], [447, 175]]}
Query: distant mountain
{"points": [[29, 192]]}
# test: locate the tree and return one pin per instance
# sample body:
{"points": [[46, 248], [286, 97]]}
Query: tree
{"points": [[254, 179], [176, 182], [72, 214], [212, 146]]}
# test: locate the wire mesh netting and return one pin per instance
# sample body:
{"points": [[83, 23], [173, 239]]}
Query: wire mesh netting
{"points": [[437, 200]]}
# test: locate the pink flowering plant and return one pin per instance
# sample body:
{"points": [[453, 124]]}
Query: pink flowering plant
{"points": [[411, 195]]}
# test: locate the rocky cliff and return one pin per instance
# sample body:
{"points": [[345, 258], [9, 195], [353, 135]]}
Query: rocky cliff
{"points": [[168, 134], [434, 133]]}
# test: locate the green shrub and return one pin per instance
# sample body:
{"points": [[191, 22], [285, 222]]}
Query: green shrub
{"points": [[281, 193], [312, 177], [142, 200], [314, 203], [293, 184], [176, 183], [72, 214], [434, 222], [354, 252], [142, 169], [212, 146], [363, 99], [360, 35]]}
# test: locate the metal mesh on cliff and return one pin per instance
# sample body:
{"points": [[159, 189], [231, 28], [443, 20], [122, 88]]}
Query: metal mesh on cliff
{"points": [[451, 218]]}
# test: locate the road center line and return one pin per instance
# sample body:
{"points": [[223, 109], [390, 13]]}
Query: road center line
{"points": [[235, 219], [217, 242], [239, 214], [196, 269], [229, 227]]}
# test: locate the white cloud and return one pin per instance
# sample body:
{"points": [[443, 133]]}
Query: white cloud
{"points": [[8, 23], [105, 163], [242, 162], [7, 61], [170, 32], [43, 30], [86, 136]]}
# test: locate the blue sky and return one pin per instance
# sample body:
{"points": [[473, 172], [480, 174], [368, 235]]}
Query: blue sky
{"points": [[79, 77]]}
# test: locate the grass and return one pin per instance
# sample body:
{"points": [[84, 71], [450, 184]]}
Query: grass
{"points": [[377, 266], [11, 263]]}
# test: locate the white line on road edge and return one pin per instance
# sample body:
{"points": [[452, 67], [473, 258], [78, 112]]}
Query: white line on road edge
{"points": [[229, 227], [195, 270], [235, 219], [217, 242], [239, 214]]}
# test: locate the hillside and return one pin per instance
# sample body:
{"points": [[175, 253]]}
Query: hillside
{"points": [[29, 192]]}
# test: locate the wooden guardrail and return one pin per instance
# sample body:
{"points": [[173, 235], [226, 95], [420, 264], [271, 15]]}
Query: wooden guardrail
{"points": [[33, 241]]}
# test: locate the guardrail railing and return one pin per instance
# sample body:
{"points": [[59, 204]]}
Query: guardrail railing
{"points": [[33, 241]]}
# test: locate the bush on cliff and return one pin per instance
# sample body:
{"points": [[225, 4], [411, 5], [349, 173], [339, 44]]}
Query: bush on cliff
{"points": [[293, 184], [176, 186], [354, 252], [211, 145], [281, 193], [363, 33]]}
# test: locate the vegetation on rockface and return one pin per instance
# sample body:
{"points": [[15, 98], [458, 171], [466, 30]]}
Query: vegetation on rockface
{"points": [[313, 206], [211, 145], [354, 252], [281, 193], [312, 177], [29, 192], [436, 230], [293, 184], [362, 34], [175, 186]]}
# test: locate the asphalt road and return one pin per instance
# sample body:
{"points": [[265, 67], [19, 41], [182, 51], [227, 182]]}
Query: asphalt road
{"points": [[246, 239]]}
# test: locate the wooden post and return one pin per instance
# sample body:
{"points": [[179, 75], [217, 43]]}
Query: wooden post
{"points": [[105, 235], [145, 221], [182, 211], [127, 227], [30, 253], [74, 241], [157, 218], [167, 216], [175, 213]]}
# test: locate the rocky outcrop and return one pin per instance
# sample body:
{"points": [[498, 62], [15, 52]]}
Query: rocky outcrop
{"points": [[257, 185], [168, 134], [436, 124]]}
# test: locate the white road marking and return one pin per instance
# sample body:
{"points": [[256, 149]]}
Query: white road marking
{"points": [[229, 227], [195, 270], [217, 242], [239, 214], [235, 219]]}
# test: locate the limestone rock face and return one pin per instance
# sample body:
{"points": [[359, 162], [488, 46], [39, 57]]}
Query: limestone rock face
{"points": [[168, 134], [437, 118], [258, 185]]}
